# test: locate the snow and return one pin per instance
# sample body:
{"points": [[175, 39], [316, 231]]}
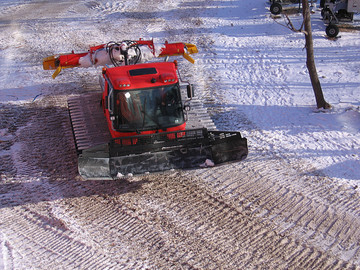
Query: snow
{"points": [[207, 163], [250, 71]]}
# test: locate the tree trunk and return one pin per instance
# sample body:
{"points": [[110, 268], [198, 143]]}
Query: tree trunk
{"points": [[310, 59]]}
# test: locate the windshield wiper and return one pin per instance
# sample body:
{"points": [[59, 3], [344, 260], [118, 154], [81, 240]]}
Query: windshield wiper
{"points": [[146, 114]]}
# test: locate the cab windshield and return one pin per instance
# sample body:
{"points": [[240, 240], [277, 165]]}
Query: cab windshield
{"points": [[146, 109]]}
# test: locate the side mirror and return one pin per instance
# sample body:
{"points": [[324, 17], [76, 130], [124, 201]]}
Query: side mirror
{"points": [[190, 91]]}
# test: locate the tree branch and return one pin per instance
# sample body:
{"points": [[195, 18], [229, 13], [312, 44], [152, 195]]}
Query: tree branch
{"points": [[291, 26]]}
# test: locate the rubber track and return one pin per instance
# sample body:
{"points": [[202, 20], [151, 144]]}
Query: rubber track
{"points": [[88, 121]]}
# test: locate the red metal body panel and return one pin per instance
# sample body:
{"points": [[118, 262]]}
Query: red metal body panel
{"points": [[173, 49], [120, 79], [95, 48], [117, 134], [70, 60], [168, 48], [121, 75]]}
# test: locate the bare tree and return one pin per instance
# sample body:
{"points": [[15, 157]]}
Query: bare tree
{"points": [[310, 58]]}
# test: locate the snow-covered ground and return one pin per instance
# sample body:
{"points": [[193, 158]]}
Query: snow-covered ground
{"points": [[250, 71], [251, 75], [264, 79]]}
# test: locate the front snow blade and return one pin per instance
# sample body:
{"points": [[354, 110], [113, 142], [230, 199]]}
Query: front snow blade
{"points": [[93, 163], [161, 152]]}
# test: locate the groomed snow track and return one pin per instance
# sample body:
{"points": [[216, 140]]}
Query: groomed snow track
{"points": [[236, 216], [148, 228]]}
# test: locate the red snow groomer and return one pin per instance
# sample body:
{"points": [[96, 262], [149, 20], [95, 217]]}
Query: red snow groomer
{"points": [[140, 126]]}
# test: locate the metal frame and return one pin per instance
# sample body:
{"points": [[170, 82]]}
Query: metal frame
{"points": [[335, 11], [276, 5], [166, 140], [285, 1]]}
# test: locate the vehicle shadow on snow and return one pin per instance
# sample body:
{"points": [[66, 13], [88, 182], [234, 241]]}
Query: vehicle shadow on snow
{"points": [[45, 190], [36, 139], [38, 160], [293, 120], [348, 169]]}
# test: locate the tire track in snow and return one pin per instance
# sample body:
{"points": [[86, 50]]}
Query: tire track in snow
{"points": [[307, 204], [243, 68], [246, 74], [55, 247], [293, 211], [177, 220], [272, 194]]}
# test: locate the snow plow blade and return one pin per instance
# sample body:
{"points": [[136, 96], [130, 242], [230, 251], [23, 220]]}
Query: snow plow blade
{"points": [[161, 152]]}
